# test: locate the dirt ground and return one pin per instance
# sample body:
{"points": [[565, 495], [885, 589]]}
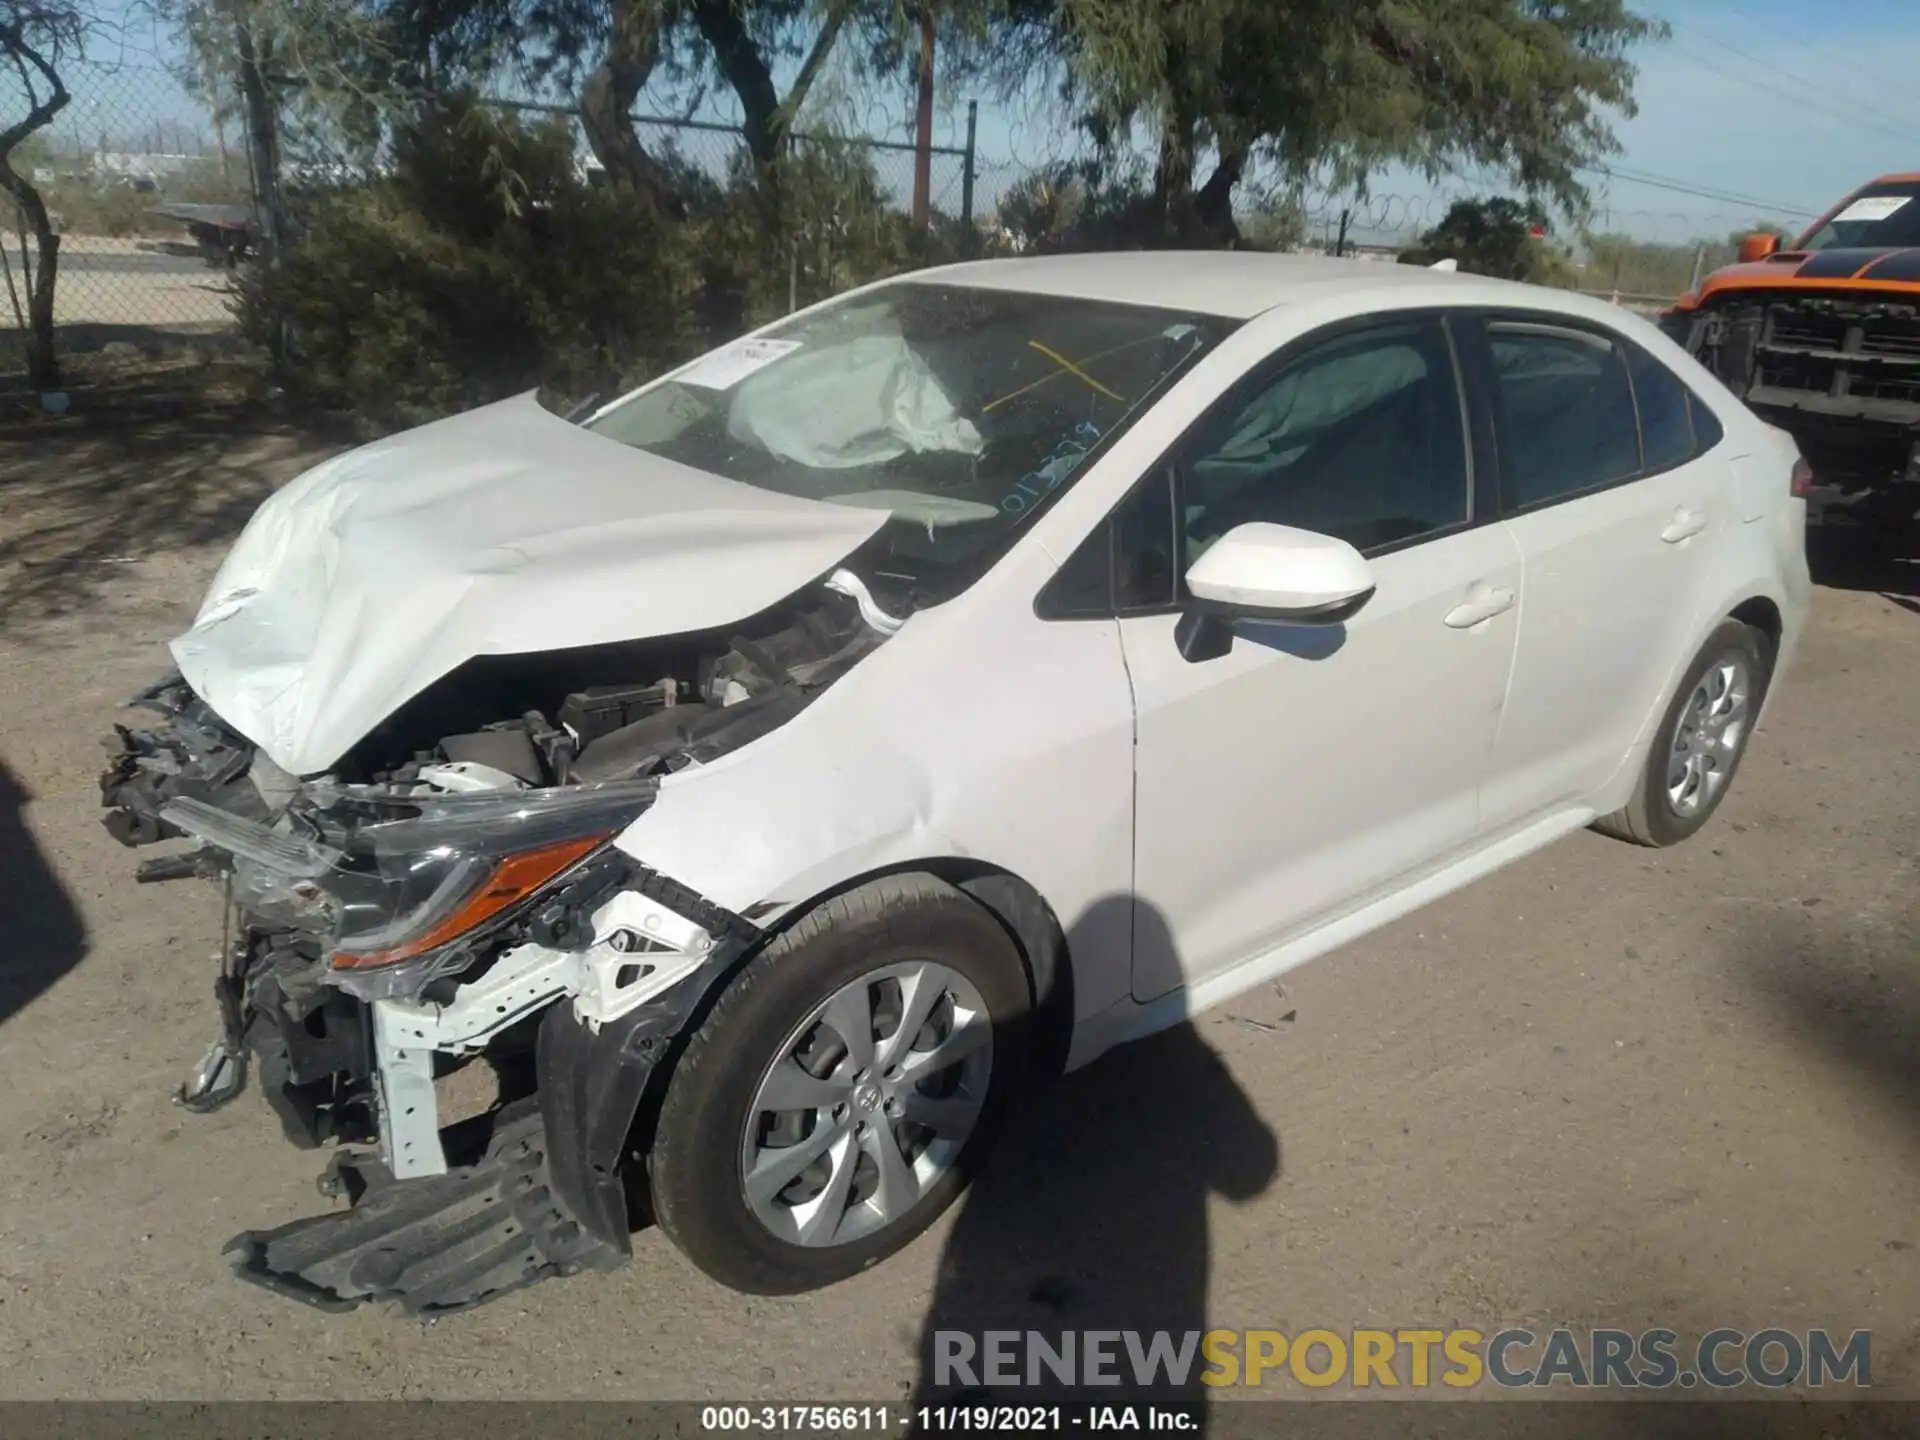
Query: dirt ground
{"points": [[107, 281], [1607, 1087]]}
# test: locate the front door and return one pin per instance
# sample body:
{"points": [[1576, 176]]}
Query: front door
{"points": [[1311, 767]]}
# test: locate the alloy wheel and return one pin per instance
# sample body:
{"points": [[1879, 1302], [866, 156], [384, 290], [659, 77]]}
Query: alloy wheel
{"points": [[1707, 738], [867, 1102]]}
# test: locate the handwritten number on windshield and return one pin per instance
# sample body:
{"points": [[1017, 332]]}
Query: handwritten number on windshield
{"points": [[1061, 462]]}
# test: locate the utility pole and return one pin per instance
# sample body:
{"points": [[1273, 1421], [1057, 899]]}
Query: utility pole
{"points": [[968, 236], [923, 135]]}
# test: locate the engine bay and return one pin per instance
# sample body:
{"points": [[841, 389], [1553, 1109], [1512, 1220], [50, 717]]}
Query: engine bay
{"points": [[614, 712]]}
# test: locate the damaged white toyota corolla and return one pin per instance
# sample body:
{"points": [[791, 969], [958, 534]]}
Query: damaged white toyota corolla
{"points": [[770, 778]]}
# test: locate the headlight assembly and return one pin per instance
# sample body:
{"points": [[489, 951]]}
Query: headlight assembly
{"points": [[396, 903]]}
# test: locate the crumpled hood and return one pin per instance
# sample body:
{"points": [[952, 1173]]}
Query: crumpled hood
{"points": [[506, 530]]}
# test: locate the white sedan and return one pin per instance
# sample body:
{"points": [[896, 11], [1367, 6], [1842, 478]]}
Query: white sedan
{"points": [[771, 775]]}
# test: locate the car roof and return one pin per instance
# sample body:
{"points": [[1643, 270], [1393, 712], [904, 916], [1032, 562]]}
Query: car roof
{"points": [[1235, 284]]}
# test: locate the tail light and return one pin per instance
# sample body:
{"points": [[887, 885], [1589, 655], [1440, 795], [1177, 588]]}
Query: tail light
{"points": [[1802, 483]]}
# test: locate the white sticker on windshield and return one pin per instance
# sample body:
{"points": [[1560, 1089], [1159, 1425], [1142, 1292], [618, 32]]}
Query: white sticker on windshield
{"points": [[1873, 207], [730, 364]]}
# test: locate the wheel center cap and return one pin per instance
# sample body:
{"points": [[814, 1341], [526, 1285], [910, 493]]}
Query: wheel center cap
{"points": [[866, 1096]]}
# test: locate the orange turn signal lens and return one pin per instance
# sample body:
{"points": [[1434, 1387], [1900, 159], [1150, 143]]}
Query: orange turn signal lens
{"points": [[512, 880]]}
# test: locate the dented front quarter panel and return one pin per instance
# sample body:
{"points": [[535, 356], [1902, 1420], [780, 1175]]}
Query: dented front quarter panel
{"points": [[978, 732]]}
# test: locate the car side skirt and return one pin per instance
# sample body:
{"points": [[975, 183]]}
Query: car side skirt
{"points": [[1128, 1021]]}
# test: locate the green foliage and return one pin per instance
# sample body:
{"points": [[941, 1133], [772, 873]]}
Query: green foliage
{"points": [[1274, 225], [1493, 237], [478, 268], [1639, 267], [1079, 206], [478, 261], [483, 265], [1337, 89]]}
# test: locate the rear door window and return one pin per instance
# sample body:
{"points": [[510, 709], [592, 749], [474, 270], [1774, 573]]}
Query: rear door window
{"points": [[1565, 411]]}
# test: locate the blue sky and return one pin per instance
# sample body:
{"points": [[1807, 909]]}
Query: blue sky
{"points": [[1790, 102], [1826, 95]]}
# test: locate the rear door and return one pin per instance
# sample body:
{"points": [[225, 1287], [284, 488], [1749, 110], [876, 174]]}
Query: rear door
{"points": [[1618, 513]]}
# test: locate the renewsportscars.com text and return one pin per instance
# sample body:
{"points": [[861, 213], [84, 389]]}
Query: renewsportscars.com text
{"points": [[1722, 1359]]}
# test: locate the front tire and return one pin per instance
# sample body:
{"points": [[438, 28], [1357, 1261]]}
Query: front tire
{"points": [[1700, 742], [843, 1089]]}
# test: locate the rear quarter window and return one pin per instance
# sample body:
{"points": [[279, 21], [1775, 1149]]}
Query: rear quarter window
{"points": [[1675, 424]]}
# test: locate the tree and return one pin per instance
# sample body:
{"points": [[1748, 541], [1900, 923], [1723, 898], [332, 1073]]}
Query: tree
{"points": [[745, 36], [607, 99], [1333, 91], [1501, 237], [614, 50], [35, 37]]}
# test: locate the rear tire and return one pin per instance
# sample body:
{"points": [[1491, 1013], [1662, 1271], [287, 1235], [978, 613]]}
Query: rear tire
{"points": [[776, 1075], [1700, 741]]}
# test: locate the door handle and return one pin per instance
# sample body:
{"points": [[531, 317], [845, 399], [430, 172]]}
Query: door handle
{"points": [[1686, 524], [1483, 603]]}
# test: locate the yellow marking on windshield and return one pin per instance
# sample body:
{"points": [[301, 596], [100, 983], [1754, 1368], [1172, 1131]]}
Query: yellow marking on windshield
{"points": [[1068, 367], [1074, 370]]}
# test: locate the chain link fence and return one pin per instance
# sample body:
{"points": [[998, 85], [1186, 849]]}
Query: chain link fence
{"points": [[151, 192], [118, 167], [152, 195]]}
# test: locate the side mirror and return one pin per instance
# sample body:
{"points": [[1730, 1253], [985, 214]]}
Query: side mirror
{"points": [[1758, 247], [1273, 573]]}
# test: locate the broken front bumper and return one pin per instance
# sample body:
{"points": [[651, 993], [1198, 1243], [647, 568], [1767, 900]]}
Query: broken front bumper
{"points": [[471, 1234], [1840, 373], [190, 754], [600, 971], [550, 1194]]}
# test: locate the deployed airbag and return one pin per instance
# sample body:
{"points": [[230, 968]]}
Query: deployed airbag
{"points": [[861, 401]]}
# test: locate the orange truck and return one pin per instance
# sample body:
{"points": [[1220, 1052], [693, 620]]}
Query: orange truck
{"points": [[1822, 338]]}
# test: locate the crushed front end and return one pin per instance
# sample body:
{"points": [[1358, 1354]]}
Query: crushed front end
{"points": [[395, 926]]}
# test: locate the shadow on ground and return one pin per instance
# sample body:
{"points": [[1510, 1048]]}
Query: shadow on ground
{"points": [[170, 460], [1092, 1215], [1851, 995], [44, 934], [1860, 557]]}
